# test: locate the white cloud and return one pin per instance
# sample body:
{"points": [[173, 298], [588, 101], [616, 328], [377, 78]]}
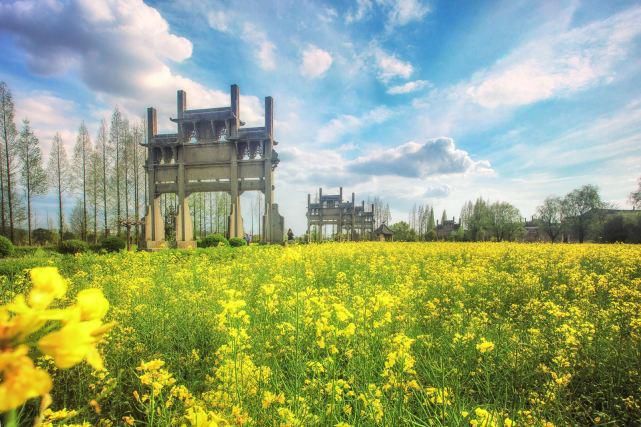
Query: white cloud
{"points": [[557, 65], [437, 191], [548, 66], [347, 124], [408, 87], [328, 15], [315, 62], [389, 66], [362, 9], [616, 135], [131, 37], [403, 12], [219, 20], [437, 156], [265, 49], [121, 49], [398, 12], [48, 114], [231, 23]]}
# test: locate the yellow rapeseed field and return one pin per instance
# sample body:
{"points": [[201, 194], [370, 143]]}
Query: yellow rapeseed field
{"points": [[337, 334]]}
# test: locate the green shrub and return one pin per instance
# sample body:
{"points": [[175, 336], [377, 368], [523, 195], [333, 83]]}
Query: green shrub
{"points": [[20, 251], [113, 244], [237, 241], [213, 240], [6, 247], [72, 246]]}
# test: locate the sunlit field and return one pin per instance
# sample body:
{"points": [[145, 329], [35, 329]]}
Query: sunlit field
{"points": [[344, 334]]}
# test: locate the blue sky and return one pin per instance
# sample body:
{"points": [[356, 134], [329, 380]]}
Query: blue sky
{"points": [[414, 101]]}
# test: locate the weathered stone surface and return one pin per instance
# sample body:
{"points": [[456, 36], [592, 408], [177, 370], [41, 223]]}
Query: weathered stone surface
{"points": [[211, 152], [342, 215]]}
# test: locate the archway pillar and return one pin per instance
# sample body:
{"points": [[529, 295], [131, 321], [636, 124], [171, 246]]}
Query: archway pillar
{"points": [[184, 226], [154, 226]]}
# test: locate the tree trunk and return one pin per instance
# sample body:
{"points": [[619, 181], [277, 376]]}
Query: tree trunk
{"points": [[28, 198], [94, 172], [118, 180], [84, 188], [4, 218], [9, 195], [136, 196], [104, 182], [60, 219], [126, 165]]}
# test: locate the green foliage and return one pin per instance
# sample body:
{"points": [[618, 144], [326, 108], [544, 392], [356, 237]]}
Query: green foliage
{"points": [[237, 241], [505, 221], [431, 236], [550, 217], [6, 247], [580, 209], [72, 246], [26, 251], [42, 236], [113, 244], [622, 228], [213, 240], [403, 232]]}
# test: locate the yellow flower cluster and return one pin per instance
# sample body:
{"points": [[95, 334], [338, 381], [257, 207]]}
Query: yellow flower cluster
{"points": [[367, 333], [81, 330]]}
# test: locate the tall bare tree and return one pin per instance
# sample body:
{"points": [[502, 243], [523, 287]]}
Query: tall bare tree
{"points": [[138, 160], [34, 178], [115, 140], [81, 153], [126, 154], [549, 216], [635, 196], [101, 148], [59, 176], [8, 133], [94, 178]]}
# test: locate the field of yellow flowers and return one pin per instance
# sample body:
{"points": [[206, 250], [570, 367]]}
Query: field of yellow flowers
{"points": [[337, 334]]}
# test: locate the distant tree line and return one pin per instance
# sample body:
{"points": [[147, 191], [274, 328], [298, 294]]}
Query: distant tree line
{"points": [[104, 178], [579, 216]]}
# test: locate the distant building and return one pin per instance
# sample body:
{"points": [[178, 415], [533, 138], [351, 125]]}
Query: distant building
{"points": [[357, 222], [533, 233], [384, 234], [445, 229]]}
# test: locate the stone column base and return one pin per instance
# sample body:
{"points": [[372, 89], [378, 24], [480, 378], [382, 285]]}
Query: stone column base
{"points": [[155, 245], [186, 244]]}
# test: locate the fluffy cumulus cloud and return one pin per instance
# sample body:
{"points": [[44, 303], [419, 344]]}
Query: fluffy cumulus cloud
{"points": [[115, 45], [408, 87], [389, 66], [122, 49], [559, 64], [438, 156], [315, 62]]}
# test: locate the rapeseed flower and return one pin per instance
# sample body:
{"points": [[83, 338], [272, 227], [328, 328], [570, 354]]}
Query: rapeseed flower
{"points": [[21, 380]]}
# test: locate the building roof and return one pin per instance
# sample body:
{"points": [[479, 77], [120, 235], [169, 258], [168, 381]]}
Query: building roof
{"points": [[384, 230]]}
